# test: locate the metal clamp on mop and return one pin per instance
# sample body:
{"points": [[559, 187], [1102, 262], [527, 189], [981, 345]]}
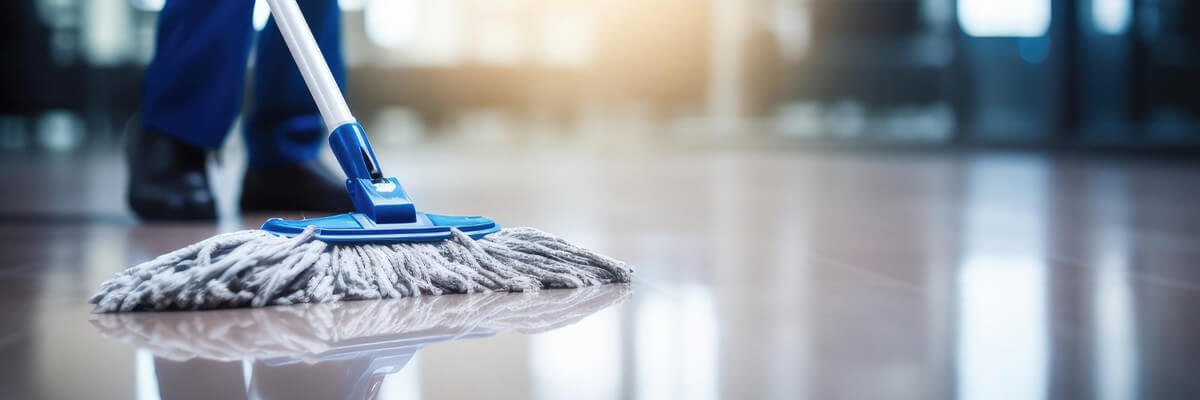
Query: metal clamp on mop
{"points": [[383, 211]]}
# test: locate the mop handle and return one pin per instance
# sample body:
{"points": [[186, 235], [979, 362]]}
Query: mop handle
{"points": [[347, 139], [312, 64]]}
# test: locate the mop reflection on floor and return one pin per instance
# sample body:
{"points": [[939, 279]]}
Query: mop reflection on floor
{"points": [[342, 349]]}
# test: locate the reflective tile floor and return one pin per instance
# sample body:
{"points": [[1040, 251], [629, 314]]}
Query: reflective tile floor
{"points": [[759, 275]]}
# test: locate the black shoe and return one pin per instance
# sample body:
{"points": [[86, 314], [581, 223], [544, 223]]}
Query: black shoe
{"points": [[167, 178], [294, 187]]}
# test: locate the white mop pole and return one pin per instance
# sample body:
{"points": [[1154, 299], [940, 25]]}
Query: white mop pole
{"points": [[312, 64]]}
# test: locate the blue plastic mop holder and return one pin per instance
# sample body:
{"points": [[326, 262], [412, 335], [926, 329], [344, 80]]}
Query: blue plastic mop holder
{"points": [[357, 227], [383, 211]]}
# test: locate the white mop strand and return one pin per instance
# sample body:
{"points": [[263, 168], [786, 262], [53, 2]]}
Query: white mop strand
{"points": [[255, 268]]}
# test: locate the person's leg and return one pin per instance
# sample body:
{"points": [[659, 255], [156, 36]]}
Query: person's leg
{"points": [[191, 93], [284, 126], [284, 133], [193, 87]]}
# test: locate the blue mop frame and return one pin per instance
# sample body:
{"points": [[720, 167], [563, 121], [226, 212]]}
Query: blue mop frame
{"points": [[383, 211]]}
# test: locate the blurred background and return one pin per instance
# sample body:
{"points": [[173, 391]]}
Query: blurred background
{"points": [[841, 198], [1108, 74]]}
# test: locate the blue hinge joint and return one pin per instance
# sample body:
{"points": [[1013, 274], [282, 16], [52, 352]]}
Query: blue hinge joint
{"points": [[380, 198], [384, 201]]}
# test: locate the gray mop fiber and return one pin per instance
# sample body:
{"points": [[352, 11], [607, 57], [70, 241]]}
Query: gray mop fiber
{"points": [[254, 268]]}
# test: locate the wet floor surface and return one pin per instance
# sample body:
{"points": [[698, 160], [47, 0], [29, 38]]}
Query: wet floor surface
{"points": [[759, 275]]}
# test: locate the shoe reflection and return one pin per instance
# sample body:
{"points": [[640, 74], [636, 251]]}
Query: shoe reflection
{"points": [[332, 350]]}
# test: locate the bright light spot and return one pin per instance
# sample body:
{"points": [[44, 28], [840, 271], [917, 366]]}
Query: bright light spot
{"points": [[351, 5], [1115, 347], [398, 125], [106, 31], [1009, 18], [498, 43], [790, 21], [1110, 16], [799, 119], [392, 23], [1002, 347], [441, 33], [148, 5], [497, 6], [60, 131], [404, 384], [261, 12], [1002, 334], [566, 39], [420, 32], [677, 345], [1115, 371], [144, 377], [579, 361], [247, 373]]}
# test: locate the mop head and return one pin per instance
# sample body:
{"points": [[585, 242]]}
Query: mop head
{"points": [[254, 268]]}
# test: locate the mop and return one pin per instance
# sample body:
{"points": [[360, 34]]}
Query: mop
{"points": [[384, 249]]}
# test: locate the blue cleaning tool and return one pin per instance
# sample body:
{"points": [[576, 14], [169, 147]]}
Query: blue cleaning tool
{"points": [[383, 212]]}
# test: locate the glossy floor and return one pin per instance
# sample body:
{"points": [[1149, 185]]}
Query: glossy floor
{"points": [[760, 275]]}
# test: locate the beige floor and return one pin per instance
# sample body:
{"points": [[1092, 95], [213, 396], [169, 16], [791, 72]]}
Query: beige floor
{"points": [[760, 275]]}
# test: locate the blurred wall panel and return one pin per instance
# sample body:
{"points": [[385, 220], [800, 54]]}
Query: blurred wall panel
{"points": [[1030, 72]]}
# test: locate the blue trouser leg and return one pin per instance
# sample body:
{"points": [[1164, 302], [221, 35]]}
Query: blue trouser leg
{"points": [[284, 124], [193, 87]]}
